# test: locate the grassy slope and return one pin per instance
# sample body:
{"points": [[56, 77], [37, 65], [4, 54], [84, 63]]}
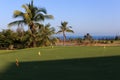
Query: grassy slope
{"points": [[61, 63]]}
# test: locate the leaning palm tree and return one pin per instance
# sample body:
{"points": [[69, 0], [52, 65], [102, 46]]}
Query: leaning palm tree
{"points": [[64, 28], [30, 17]]}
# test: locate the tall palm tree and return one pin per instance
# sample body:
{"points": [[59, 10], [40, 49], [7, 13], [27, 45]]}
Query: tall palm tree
{"points": [[30, 17], [64, 28]]}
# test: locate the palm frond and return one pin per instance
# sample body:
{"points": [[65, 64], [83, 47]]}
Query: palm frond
{"points": [[41, 10], [47, 25], [70, 26], [16, 23], [28, 11], [69, 30], [39, 17], [52, 30], [64, 24], [18, 13], [27, 18], [38, 25], [59, 31], [49, 16]]}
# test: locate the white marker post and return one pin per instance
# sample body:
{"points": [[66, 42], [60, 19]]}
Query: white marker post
{"points": [[104, 47], [17, 62], [39, 53]]}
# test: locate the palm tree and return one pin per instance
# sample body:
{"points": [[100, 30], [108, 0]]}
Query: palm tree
{"points": [[64, 28], [46, 33], [30, 17]]}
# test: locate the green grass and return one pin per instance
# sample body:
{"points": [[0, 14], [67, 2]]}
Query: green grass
{"points": [[61, 63]]}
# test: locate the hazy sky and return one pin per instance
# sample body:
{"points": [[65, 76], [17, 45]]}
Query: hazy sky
{"points": [[97, 17]]}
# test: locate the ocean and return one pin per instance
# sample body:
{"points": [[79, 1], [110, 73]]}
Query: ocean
{"points": [[94, 37]]}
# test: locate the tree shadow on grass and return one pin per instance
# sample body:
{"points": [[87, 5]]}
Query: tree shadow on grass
{"points": [[102, 68]]}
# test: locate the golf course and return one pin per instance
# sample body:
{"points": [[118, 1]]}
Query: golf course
{"points": [[61, 63], [60, 40]]}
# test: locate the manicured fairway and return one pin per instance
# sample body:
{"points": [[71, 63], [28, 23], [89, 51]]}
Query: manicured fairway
{"points": [[61, 63]]}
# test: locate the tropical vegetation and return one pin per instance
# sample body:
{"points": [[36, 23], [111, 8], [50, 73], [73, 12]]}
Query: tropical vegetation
{"points": [[39, 34], [64, 28], [32, 18]]}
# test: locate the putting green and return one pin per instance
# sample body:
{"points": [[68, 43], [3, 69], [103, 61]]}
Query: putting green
{"points": [[61, 63]]}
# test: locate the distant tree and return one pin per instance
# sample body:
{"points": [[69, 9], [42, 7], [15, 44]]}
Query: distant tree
{"points": [[7, 38], [88, 37], [64, 28], [46, 33], [30, 17], [117, 37]]}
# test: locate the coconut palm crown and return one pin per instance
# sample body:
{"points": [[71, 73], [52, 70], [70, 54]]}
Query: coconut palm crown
{"points": [[31, 16]]}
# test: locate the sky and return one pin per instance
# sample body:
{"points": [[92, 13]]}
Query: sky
{"points": [[97, 17]]}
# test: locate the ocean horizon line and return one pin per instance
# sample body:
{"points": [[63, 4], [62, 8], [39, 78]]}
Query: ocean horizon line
{"points": [[94, 37]]}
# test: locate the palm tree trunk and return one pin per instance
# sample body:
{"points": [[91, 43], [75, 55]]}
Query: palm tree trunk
{"points": [[32, 28], [64, 38]]}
